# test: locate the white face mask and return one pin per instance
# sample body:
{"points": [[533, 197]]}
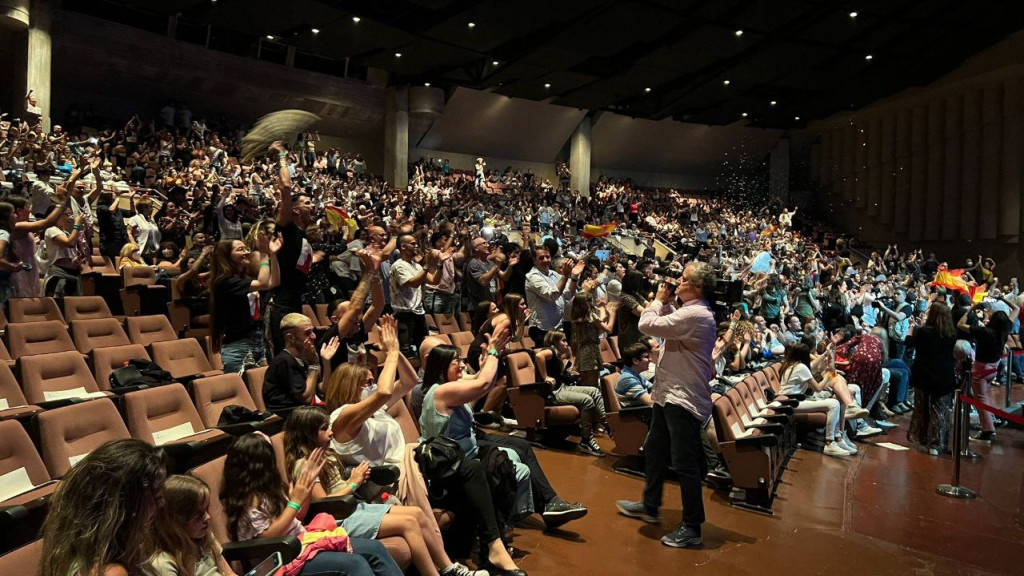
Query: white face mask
{"points": [[368, 391]]}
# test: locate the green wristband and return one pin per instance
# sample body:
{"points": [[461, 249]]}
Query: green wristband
{"points": [[353, 486], [294, 505]]}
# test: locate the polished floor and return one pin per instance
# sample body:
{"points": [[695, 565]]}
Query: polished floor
{"points": [[873, 514]]}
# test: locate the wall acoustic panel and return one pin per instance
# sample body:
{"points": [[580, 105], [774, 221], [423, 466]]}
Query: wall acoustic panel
{"points": [[835, 169], [849, 157], [918, 172], [824, 172], [1013, 155], [936, 155], [971, 172], [874, 171], [991, 154], [860, 189], [952, 182], [888, 168], [901, 202]]}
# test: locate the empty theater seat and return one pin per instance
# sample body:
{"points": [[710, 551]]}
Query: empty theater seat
{"points": [[214, 393], [41, 337], [165, 416], [148, 329], [25, 490], [184, 359], [13, 405], [56, 379], [85, 308], [34, 310], [528, 398], [97, 333], [66, 435]]}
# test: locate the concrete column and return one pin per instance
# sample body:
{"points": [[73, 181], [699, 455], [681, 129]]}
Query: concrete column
{"points": [[778, 181], [40, 53], [289, 57], [579, 158], [396, 137]]}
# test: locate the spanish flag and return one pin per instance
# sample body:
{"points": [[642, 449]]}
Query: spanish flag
{"points": [[954, 280], [339, 219], [599, 231]]}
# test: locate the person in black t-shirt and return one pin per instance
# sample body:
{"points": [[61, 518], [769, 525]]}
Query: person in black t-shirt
{"points": [[990, 338], [293, 377], [235, 301], [294, 214]]}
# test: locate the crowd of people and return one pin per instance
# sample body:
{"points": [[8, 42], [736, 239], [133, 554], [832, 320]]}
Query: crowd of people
{"points": [[252, 242]]}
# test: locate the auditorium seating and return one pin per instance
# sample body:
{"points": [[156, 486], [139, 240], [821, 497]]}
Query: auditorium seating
{"points": [[140, 294], [85, 308], [68, 434], [254, 383], [13, 405], [165, 416], [97, 333], [446, 324], [38, 337], [465, 322], [106, 360], [462, 341], [528, 399], [34, 310], [56, 379], [184, 359], [148, 329], [629, 426], [214, 393], [26, 490]]}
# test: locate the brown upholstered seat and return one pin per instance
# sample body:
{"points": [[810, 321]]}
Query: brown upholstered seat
{"points": [[462, 341], [34, 310], [106, 360], [140, 294], [446, 324], [629, 430], [213, 393], [184, 359], [68, 434], [527, 398], [148, 329], [254, 383], [18, 454], [13, 405], [85, 308], [57, 377], [42, 337], [97, 333]]}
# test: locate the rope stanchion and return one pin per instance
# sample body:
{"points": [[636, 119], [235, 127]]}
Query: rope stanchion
{"points": [[961, 418], [1001, 413]]}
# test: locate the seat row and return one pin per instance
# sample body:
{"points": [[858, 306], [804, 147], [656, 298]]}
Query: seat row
{"points": [[756, 433]]}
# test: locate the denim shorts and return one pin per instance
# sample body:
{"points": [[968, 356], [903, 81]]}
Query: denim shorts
{"points": [[239, 355]]}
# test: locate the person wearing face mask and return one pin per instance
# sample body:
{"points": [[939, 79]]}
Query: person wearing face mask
{"points": [[293, 377]]}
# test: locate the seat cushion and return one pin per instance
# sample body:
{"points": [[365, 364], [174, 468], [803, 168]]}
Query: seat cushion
{"points": [[559, 415]]}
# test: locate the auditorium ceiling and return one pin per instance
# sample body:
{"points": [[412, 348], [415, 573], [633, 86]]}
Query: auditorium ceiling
{"points": [[760, 63]]}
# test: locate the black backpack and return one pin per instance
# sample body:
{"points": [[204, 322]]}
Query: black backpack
{"points": [[139, 373], [501, 478]]}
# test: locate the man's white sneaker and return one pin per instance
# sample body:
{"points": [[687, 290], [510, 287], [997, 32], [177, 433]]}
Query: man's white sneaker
{"points": [[847, 445]]}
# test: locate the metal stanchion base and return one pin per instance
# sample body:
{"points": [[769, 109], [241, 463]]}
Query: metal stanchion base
{"points": [[970, 455], [958, 492]]}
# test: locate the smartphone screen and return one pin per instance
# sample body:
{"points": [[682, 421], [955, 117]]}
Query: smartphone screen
{"points": [[267, 567]]}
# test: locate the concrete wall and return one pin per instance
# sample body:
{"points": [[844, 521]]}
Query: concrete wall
{"points": [[468, 162]]}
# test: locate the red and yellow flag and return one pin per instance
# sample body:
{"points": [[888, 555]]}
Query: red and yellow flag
{"points": [[600, 230], [954, 280], [340, 219]]}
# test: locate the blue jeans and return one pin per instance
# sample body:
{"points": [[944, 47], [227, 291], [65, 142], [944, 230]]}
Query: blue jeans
{"points": [[369, 558], [899, 381], [244, 353]]}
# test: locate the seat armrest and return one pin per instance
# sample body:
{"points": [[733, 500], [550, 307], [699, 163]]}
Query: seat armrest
{"points": [[635, 411], [258, 549], [540, 388], [239, 429], [338, 506], [777, 418], [761, 441], [768, 428], [779, 411]]}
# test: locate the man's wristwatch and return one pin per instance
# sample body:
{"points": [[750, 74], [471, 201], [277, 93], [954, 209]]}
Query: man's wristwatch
{"points": [[312, 368]]}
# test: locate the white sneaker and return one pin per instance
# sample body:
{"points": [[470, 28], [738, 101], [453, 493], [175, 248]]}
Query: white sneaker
{"points": [[868, 430], [844, 441], [835, 450], [855, 412]]}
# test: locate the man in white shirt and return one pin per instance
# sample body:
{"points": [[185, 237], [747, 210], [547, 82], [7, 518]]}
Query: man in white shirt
{"points": [[406, 281], [547, 292]]}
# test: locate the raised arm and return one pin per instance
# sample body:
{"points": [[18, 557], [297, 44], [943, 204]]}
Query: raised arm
{"points": [[284, 209], [270, 273], [347, 425], [471, 388]]}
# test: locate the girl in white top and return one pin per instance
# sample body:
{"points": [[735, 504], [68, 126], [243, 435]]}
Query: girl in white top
{"points": [[796, 378]]}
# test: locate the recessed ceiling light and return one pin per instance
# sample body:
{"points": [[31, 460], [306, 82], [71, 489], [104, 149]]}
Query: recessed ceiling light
{"points": [[744, 114], [315, 30], [270, 36], [398, 54], [739, 32], [726, 83], [797, 118], [427, 84], [547, 85], [647, 89], [868, 57], [853, 14], [773, 102], [495, 63], [356, 19], [471, 24]]}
